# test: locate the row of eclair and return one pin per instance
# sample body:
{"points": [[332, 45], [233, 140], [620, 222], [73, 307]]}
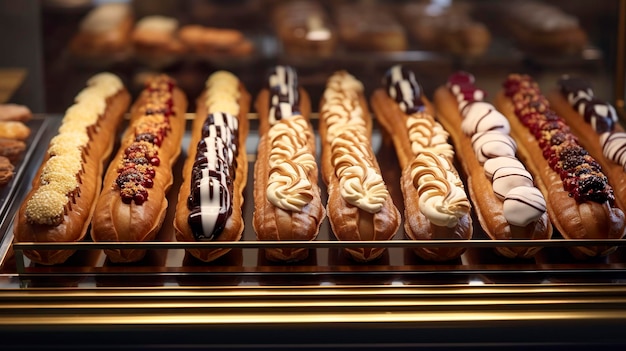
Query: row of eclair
{"points": [[526, 170]]}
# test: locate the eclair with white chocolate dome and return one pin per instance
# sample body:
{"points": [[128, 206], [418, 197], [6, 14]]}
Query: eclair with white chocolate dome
{"points": [[505, 199]]}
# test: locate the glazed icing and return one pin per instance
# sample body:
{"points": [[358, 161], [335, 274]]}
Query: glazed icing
{"points": [[492, 144], [614, 147], [479, 116], [284, 96], [210, 201], [442, 198], [599, 114], [523, 205]]}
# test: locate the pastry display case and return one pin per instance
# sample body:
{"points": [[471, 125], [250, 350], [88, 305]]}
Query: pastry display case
{"points": [[400, 300]]}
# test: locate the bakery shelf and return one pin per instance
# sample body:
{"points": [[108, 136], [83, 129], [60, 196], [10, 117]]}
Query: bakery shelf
{"points": [[167, 264]]}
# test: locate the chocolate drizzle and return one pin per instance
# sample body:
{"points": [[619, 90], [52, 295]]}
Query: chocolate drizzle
{"points": [[402, 86], [211, 195], [284, 96]]}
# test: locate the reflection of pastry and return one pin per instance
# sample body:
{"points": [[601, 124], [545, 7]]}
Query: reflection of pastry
{"points": [[133, 202], [6, 170], [105, 31], [506, 202], [287, 200], [359, 206], [578, 195], [210, 200], [369, 27], [208, 40], [449, 29], [540, 27], [436, 206], [14, 130], [303, 28], [65, 188], [595, 124], [11, 148], [13, 112], [155, 40]]}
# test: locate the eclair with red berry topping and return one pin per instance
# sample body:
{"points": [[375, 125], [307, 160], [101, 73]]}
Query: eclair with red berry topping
{"points": [[133, 201], [287, 199], [435, 203], [505, 199], [359, 205], [215, 173], [579, 199], [60, 205], [596, 125]]}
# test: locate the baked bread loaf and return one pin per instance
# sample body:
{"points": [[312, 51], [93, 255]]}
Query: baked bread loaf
{"points": [[596, 125], [359, 204], [503, 194], [133, 201], [578, 195], [104, 32], [287, 200], [60, 205], [210, 199], [435, 203]]}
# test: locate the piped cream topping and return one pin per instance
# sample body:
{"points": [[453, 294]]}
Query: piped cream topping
{"points": [[291, 163], [360, 181], [442, 198], [427, 134], [60, 175]]}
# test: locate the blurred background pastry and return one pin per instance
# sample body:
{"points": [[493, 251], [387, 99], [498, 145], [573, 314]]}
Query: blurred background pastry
{"points": [[304, 28], [369, 26], [447, 27]]}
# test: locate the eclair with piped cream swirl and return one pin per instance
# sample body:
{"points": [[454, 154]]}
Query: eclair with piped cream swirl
{"points": [[287, 199], [436, 204], [359, 204], [502, 190]]}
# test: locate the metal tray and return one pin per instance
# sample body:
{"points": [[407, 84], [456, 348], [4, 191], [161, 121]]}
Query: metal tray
{"points": [[167, 264]]}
